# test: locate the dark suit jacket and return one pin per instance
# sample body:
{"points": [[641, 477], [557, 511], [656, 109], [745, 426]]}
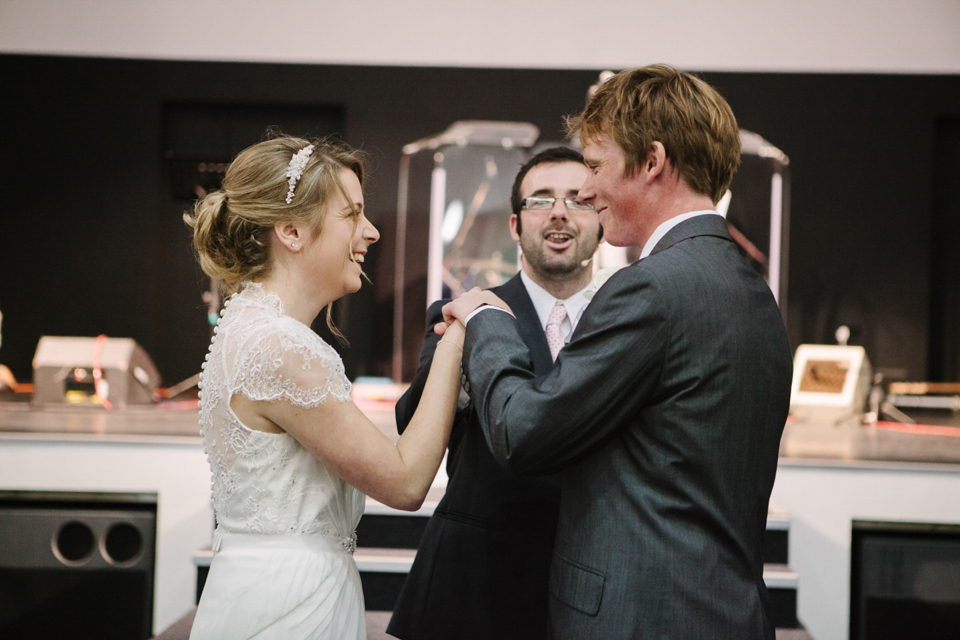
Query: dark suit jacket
{"points": [[664, 416], [483, 564]]}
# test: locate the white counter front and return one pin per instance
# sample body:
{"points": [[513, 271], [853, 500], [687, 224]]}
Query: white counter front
{"points": [[173, 467], [824, 497]]}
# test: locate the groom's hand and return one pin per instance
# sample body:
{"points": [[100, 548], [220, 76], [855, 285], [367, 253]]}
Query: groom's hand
{"points": [[459, 308]]}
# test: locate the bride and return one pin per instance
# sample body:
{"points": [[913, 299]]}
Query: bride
{"points": [[291, 455]]}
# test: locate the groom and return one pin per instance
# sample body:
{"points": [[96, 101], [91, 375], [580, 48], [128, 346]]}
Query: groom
{"points": [[663, 415]]}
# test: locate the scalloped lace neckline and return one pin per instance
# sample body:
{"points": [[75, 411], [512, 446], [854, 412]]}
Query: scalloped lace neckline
{"points": [[257, 292]]}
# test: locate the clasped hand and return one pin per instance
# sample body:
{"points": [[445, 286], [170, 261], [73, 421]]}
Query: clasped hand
{"points": [[463, 305]]}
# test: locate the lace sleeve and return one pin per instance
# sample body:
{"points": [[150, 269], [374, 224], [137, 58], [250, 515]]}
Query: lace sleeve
{"points": [[286, 360]]}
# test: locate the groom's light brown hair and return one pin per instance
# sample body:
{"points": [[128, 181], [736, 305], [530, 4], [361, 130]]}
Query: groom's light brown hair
{"points": [[690, 118]]}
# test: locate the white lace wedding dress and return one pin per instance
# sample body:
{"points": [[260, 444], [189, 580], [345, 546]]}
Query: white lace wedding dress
{"points": [[283, 564]]}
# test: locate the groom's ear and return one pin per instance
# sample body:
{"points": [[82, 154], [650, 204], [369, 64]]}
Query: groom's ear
{"points": [[655, 164]]}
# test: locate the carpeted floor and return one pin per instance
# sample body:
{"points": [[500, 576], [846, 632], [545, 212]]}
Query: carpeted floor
{"points": [[377, 628], [377, 625]]}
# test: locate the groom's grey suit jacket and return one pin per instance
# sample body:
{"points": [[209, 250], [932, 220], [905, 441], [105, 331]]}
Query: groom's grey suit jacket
{"points": [[663, 416]]}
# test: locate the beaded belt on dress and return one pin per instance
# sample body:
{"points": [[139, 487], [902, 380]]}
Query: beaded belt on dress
{"points": [[349, 543]]}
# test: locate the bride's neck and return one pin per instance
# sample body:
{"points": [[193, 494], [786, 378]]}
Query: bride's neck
{"points": [[297, 297]]}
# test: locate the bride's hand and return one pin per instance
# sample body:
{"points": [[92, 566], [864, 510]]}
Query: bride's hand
{"points": [[453, 332]]}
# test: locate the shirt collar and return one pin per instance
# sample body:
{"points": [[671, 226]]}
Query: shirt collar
{"points": [[664, 227], [543, 301]]}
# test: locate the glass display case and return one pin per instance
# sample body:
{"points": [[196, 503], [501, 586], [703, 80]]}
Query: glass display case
{"points": [[461, 180]]}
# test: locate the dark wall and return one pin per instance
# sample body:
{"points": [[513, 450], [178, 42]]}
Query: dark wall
{"points": [[91, 243], [862, 154]]}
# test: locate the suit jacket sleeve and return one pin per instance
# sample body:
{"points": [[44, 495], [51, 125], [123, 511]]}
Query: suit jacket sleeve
{"points": [[407, 404], [607, 373]]}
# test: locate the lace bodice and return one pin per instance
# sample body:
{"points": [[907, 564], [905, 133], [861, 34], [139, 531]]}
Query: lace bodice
{"points": [[265, 482]]}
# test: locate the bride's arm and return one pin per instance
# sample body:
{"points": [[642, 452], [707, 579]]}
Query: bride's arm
{"points": [[340, 436]]}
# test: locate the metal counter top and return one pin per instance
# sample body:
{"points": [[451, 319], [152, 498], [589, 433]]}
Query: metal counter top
{"points": [[165, 419]]}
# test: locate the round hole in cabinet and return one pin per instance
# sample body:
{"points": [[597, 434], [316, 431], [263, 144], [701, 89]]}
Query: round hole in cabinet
{"points": [[73, 544], [122, 544]]}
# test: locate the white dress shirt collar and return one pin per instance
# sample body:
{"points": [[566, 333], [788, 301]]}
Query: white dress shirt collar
{"points": [[664, 227], [543, 302]]}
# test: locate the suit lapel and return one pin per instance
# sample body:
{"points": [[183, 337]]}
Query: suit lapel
{"points": [[515, 294]]}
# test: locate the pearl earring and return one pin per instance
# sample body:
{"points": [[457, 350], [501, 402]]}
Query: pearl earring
{"points": [[294, 245]]}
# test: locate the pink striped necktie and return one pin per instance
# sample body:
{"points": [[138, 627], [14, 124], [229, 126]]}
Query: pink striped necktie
{"points": [[555, 337]]}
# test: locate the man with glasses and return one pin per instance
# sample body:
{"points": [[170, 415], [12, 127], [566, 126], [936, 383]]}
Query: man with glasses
{"points": [[663, 413], [483, 564]]}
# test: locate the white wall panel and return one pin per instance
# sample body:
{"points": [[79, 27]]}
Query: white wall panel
{"points": [[897, 36]]}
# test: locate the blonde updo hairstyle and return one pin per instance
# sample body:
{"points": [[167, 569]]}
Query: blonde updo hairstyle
{"points": [[232, 226]]}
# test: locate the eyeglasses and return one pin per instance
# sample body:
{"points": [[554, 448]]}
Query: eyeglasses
{"points": [[546, 204]]}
